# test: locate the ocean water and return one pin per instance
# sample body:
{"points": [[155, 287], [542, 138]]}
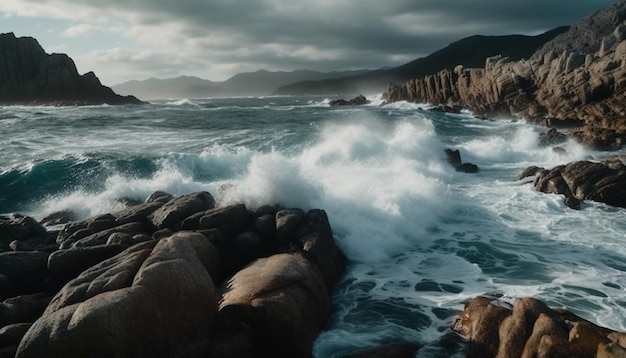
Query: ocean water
{"points": [[420, 238]]}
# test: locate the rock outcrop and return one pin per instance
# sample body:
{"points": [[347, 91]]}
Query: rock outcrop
{"points": [[529, 328], [578, 78], [603, 182], [175, 277], [30, 76], [356, 101]]}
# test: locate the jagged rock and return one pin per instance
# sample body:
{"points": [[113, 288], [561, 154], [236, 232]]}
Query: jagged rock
{"points": [[529, 329], [101, 237], [288, 221], [578, 77], [31, 76], [584, 180], [453, 158], [552, 137], [172, 213], [143, 303], [284, 292], [356, 101], [529, 172]]}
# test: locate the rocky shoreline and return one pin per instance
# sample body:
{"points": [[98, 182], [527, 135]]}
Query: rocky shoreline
{"points": [[576, 80], [169, 277]]}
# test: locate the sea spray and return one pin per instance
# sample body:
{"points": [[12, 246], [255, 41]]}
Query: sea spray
{"points": [[420, 237]]}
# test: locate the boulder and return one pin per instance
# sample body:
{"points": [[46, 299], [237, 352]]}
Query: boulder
{"points": [[278, 304], [136, 213], [18, 227], [101, 237], [229, 220], [58, 218], [144, 302], [288, 221], [172, 213], [20, 309], [552, 137], [356, 101], [65, 265], [453, 157], [159, 196], [25, 270]]}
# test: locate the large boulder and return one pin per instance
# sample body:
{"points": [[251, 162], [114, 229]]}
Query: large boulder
{"points": [[603, 182], [20, 309], [143, 302], [277, 304]]}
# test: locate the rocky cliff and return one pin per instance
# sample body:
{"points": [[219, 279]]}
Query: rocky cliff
{"points": [[30, 76], [578, 78]]}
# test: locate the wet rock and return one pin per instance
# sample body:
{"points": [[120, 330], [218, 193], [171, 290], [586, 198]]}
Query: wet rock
{"points": [[529, 172], [530, 329], [58, 218], [172, 213], [356, 101], [18, 227], [159, 196], [229, 220], [101, 237], [284, 292], [453, 157], [552, 137], [288, 221], [136, 213], [142, 303], [65, 265]]}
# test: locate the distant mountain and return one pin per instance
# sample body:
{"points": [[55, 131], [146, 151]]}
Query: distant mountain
{"points": [[30, 76], [469, 52], [259, 83], [172, 88]]}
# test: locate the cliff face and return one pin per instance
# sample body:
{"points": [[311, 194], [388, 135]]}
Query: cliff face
{"points": [[28, 75], [579, 77]]}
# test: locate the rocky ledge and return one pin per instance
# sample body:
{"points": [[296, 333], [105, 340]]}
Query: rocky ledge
{"points": [[577, 79], [30, 76], [529, 328], [175, 277], [603, 181]]}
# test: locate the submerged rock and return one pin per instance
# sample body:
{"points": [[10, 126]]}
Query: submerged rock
{"points": [[603, 182]]}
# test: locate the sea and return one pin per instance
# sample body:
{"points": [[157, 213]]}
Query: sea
{"points": [[421, 238]]}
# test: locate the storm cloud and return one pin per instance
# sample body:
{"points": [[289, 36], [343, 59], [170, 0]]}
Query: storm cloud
{"points": [[214, 39]]}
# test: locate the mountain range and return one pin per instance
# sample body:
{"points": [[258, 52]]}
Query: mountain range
{"points": [[469, 52]]}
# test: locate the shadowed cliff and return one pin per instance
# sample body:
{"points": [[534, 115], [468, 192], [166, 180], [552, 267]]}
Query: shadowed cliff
{"points": [[30, 76]]}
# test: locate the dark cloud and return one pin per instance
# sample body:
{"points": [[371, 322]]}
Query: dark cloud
{"points": [[230, 35]]}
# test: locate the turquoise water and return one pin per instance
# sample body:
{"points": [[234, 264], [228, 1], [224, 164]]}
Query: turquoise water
{"points": [[421, 238]]}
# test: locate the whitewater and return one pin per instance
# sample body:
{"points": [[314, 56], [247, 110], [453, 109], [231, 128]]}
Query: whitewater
{"points": [[420, 237]]}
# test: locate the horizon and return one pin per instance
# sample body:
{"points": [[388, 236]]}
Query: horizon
{"points": [[215, 40]]}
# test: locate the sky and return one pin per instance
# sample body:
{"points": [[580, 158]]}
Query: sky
{"points": [[123, 40]]}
